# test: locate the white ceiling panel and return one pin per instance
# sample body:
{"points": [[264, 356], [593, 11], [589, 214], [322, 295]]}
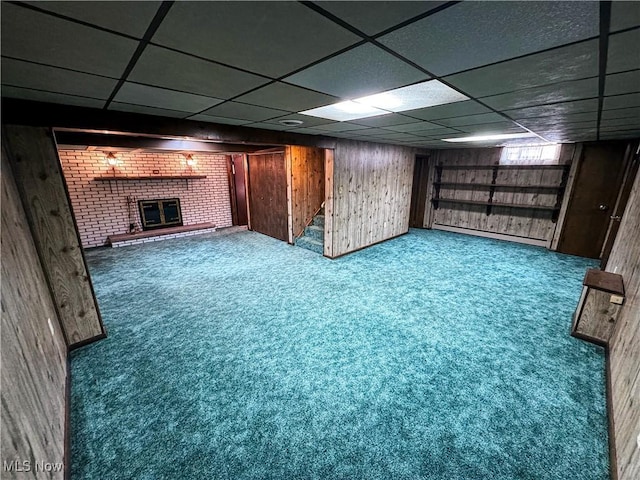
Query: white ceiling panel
{"points": [[271, 38], [624, 14], [471, 34], [162, 112], [39, 77], [619, 83], [374, 17], [633, 112], [50, 97], [165, 68], [388, 120], [561, 64], [556, 109], [131, 18], [286, 97], [243, 111], [334, 128], [622, 101], [561, 92], [307, 121], [30, 35], [364, 70], [457, 109], [419, 126], [472, 120], [495, 127], [624, 53], [136, 94]]}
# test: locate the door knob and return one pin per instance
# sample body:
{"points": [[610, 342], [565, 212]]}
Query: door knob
{"points": [[603, 207]]}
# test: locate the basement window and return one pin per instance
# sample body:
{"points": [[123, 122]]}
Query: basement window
{"points": [[531, 155]]}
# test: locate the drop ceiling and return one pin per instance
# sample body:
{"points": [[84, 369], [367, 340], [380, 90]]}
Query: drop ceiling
{"points": [[566, 71]]}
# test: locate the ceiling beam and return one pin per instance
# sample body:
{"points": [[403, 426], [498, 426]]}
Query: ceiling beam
{"points": [[90, 120], [149, 143]]}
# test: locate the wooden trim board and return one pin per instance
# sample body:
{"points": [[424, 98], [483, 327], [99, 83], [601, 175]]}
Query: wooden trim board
{"points": [[496, 236]]}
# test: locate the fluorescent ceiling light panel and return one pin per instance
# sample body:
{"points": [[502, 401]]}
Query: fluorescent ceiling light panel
{"points": [[344, 111], [420, 95], [484, 138]]}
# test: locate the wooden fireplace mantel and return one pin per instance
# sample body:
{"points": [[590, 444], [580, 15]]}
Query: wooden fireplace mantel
{"points": [[108, 178]]}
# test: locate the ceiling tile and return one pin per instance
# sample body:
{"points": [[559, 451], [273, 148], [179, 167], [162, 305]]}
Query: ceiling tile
{"points": [[213, 119], [272, 38], [40, 77], [373, 131], [624, 14], [364, 70], [418, 126], [629, 122], [374, 17], [307, 121], [627, 82], [437, 132], [458, 109], [471, 34], [622, 101], [620, 134], [624, 53], [269, 126], [287, 97], [160, 98], [495, 127], [633, 112], [40, 96], [388, 120], [130, 18], [472, 119], [242, 111], [548, 123], [574, 90], [400, 136], [160, 112], [39, 37], [568, 63], [562, 108], [333, 128], [165, 68]]}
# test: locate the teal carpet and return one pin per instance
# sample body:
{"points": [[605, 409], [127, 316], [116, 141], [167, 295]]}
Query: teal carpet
{"points": [[431, 356]]}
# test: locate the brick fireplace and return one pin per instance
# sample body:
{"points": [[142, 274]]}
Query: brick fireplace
{"points": [[105, 208]]}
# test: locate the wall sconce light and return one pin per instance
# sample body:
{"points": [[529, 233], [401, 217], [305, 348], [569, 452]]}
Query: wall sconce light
{"points": [[112, 161], [190, 161]]}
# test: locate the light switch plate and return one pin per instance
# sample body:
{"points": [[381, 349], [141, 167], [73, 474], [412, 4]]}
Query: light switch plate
{"points": [[617, 299]]}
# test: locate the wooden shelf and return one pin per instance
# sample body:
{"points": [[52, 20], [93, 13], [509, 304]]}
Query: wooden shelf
{"points": [[604, 281], [499, 185], [502, 167], [148, 177], [494, 204]]}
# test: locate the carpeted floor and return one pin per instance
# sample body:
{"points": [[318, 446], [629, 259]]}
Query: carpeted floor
{"points": [[431, 356]]}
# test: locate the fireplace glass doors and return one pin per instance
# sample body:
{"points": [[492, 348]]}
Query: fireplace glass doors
{"points": [[160, 213]]}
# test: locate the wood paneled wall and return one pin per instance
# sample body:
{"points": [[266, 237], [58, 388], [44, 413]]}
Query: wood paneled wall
{"points": [[523, 223], [307, 184], [34, 160], [34, 367], [371, 194], [624, 345]]}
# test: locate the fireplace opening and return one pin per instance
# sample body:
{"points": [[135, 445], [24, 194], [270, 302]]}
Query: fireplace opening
{"points": [[160, 213]]}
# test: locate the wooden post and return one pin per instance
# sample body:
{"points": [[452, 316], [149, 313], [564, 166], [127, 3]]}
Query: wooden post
{"points": [[34, 160]]}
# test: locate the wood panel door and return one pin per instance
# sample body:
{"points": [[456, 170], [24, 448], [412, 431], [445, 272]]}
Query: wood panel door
{"points": [[596, 188], [237, 189], [268, 195], [632, 164], [419, 192]]}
